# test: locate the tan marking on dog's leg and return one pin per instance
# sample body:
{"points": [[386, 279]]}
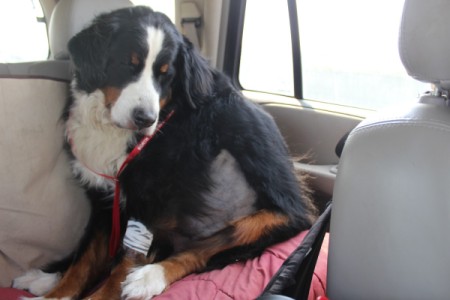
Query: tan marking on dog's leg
{"points": [[249, 229], [246, 231], [112, 289], [180, 265], [88, 268]]}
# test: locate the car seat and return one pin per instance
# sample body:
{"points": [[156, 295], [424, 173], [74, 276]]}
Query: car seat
{"points": [[42, 211], [391, 202]]}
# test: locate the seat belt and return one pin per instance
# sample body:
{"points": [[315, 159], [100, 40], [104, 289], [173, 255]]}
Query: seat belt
{"points": [[191, 20], [293, 279]]}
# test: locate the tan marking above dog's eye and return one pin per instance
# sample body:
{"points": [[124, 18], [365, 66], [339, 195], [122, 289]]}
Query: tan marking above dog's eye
{"points": [[135, 59], [164, 68]]}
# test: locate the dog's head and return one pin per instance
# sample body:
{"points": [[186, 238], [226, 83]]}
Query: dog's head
{"points": [[139, 61]]}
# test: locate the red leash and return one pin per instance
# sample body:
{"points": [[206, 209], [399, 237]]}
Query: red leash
{"points": [[114, 238]]}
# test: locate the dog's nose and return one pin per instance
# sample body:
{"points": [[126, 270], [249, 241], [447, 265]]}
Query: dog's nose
{"points": [[142, 118]]}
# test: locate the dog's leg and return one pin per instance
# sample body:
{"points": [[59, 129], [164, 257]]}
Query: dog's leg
{"points": [[111, 289], [151, 280], [80, 275]]}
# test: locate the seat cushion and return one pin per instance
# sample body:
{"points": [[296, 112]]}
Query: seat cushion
{"points": [[42, 210], [244, 280], [248, 279], [13, 294]]}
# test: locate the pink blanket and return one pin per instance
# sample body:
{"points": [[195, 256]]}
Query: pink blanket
{"points": [[237, 281], [247, 280]]}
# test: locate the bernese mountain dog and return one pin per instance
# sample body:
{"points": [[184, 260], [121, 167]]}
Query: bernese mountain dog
{"points": [[211, 184]]}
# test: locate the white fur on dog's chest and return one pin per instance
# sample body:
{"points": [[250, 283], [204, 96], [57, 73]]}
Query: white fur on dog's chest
{"points": [[98, 145]]}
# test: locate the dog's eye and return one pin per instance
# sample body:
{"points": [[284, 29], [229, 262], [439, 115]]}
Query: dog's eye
{"points": [[164, 68], [134, 59]]}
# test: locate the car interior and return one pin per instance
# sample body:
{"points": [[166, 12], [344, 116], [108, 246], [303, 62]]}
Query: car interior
{"points": [[385, 169]]}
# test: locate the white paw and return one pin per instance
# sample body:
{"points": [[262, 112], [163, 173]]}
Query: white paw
{"points": [[144, 282], [36, 282]]}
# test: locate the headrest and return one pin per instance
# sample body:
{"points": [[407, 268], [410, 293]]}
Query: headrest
{"points": [[71, 16], [424, 42]]}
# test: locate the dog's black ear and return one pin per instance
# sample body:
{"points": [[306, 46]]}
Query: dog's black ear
{"points": [[195, 77], [89, 52]]}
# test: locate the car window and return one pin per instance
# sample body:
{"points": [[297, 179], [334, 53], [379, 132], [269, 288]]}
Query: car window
{"points": [[167, 6], [23, 31], [349, 52], [266, 54]]}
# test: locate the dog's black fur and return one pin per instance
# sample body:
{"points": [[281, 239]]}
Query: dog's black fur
{"points": [[168, 181]]}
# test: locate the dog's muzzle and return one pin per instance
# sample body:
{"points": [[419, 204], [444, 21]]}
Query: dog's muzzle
{"points": [[142, 118]]}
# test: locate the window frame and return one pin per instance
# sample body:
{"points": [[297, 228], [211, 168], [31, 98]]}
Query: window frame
{"points": [[296, 53], [232, 59], [233, 44]]}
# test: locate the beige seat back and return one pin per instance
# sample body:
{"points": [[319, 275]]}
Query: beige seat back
{"points": [[42, 210], [391, 215]]}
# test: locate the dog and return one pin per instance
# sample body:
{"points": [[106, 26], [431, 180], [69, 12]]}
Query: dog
{"points": [[212, 184]]}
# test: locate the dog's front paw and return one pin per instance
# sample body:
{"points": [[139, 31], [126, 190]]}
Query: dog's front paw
{"points": [[36, 282], [144, 283]]}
